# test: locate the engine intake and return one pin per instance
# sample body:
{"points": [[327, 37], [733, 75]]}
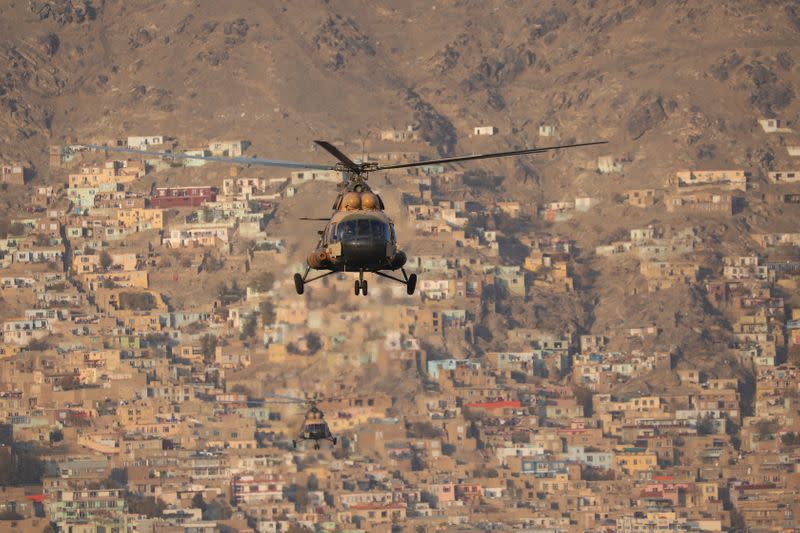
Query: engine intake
{"points": [[318, 259]]}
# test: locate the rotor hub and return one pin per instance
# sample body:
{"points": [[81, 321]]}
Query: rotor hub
{"points": [[360, 170], [356, 183]]}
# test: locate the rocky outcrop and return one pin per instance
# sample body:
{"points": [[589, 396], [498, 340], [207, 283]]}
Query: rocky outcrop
{"points": [[339, 39], [648, 114], [434, 127], [63, 11]]}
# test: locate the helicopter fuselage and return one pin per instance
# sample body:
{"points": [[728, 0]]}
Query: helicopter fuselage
{"points": [[314, 428], [357, 240], [315, 431], [358, 237]]}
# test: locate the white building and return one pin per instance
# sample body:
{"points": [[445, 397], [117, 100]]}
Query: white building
{"points": [[607, 164], [13, 174], [548, 130], [40, 255], [785, 176], [143, 142], [773, 125], [251, 489], [585, 203], [198, 235], [639, 235], [435, 289], [484, 130], [304, 176], [519, 450], [17, 283], [407, 134], [21, 332], [191, 161], [591, 457], [227, 148]]}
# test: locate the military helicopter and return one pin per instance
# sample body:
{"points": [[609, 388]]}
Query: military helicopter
{"points": [[359, 236], [314, 426]]}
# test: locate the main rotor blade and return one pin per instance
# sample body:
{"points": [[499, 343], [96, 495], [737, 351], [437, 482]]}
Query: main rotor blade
{"points": [[217, 159], [270, 398], [335, 152], [487, 156], [316, 219]]}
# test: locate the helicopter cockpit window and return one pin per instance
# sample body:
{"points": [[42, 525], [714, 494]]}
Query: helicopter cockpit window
{"points": [[331, 234], [391, 230], [363, 227], [346, 230], [380, 230]]}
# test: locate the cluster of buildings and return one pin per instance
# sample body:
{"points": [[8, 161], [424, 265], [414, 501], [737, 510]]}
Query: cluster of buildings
{"points": [[125, 407]]}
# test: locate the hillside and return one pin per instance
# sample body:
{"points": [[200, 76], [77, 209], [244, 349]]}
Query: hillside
{"points": [[684, 81]]}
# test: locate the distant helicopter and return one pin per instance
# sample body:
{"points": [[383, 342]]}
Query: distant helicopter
{"points": [[359, 236], [314, 427]]}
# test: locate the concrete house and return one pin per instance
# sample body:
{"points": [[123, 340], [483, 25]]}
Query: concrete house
{"points": [[548, 130], [640, 197], [701, 202], [183, 196], [399, 135], [228, 148], [731, 179], [13, 174], [773, 125], [608, 163], [484, 130], [784, 176], [145, 142]]}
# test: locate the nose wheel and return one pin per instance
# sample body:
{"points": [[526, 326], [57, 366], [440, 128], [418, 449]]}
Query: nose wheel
{"points": [[361, 286], [299, 284]]}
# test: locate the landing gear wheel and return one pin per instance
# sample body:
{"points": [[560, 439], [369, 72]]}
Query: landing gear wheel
{"points": [[411, 284], [357, 287], [334, 440], [316, 445], [299, 284], [364, 287], [294, 444]]}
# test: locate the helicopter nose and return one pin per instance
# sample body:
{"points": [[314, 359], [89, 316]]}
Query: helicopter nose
{"points": [[364, 252]]}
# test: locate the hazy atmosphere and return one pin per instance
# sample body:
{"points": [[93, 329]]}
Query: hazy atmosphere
{"points": [[294, 313]]}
